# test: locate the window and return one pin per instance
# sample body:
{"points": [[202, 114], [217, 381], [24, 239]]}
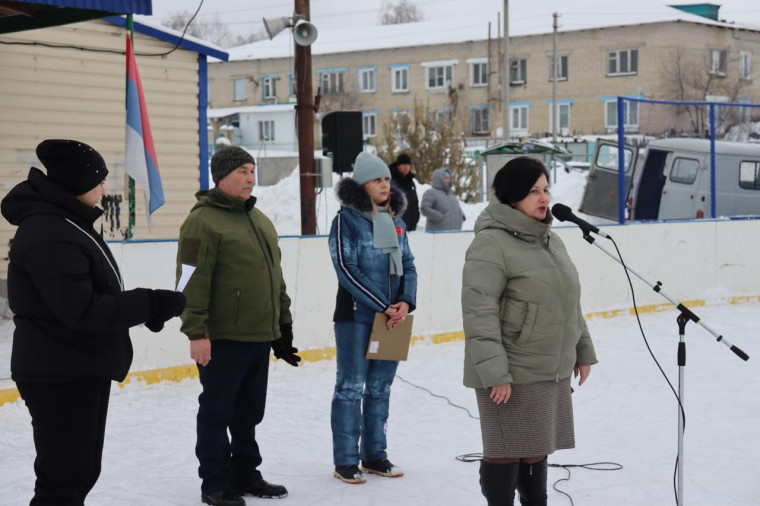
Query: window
{"points": [[400, 119], [266, 130], [518, 71], [749, 175], [369, 124], [630, 114], [239, 91], [561, 69], [331, 82], [479, 73], [519, 117], [400, 113], [291, 84], [745, 112], [563, 113], [745, 68], [440, 76], [684, 170], [267, 87], [441, 114], [717, 62], [721, 112], [400, 79], [480, 120], [366, 79], [624, 62], [607, 157]]}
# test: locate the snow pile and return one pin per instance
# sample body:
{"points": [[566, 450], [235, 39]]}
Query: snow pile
{"points": [[281, 202]]}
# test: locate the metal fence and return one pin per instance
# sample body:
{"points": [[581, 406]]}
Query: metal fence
{"points": [[682, 160]]}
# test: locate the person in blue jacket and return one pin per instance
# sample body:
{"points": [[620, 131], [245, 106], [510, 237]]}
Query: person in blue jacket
{"points": [[376, 274]]}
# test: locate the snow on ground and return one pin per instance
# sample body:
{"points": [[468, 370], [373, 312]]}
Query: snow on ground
{"points": [[625, 413], [281, 202]]}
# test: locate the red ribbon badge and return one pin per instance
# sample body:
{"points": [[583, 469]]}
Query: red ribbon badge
{"points": [[399, 230]]}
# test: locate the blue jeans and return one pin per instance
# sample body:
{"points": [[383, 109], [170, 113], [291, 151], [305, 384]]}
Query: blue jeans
{"points": [[360, 402]]}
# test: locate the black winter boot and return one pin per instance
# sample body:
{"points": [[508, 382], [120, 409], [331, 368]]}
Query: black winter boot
{"points": [[532, 483], [223, 498], [498, 481]]}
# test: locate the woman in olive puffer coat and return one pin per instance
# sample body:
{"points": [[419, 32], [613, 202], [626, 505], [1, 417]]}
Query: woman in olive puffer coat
{"points": [[525, 335]]}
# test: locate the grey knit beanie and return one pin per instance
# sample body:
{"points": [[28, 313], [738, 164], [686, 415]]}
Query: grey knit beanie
{"points": [[368, 167], [227, 159]]}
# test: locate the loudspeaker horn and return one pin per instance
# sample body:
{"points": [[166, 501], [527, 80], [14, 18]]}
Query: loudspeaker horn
{"points": [[273, 26], [304, 33]]}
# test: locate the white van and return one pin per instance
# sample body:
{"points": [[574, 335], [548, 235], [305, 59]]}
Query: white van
{"points": [[671, 179]]}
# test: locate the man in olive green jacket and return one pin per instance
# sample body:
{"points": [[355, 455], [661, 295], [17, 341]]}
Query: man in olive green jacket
{"points": [[229, 261]]}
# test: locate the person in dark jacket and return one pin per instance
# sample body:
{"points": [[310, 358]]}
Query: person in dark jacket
{"points": [[72, 316], [403, 177], [375, 267], [525, 335], [237, 309], [439, 204]]}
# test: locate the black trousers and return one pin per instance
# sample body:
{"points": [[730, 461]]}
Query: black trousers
{"points": [[233, 398], [69, 423]]}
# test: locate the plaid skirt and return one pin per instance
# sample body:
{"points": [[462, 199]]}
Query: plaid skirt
{"points": [[537, 420]]}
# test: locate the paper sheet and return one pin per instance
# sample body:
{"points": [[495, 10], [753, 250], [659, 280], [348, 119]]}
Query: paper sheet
{"points": [[187, 272]]}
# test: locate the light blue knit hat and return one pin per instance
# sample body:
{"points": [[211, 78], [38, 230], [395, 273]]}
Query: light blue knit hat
{"points": [[368, 167]]}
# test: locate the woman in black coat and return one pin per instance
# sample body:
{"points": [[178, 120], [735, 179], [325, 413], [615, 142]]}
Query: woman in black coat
{"points": [[403, 177], [72, 316]]}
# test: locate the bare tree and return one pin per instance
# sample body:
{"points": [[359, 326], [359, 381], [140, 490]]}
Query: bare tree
{"points": [[399, 13], [692, 79], [431, 141], [251, 37], [211, 29]]}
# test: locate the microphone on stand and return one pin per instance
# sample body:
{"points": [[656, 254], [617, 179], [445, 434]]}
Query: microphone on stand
{"points": [[564, 213]]}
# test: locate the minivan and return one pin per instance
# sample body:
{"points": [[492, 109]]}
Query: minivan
{"points": [[671, 179]]}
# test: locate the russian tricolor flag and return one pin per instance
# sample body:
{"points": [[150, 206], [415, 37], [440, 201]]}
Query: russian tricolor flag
{"points": [[140, 159]]}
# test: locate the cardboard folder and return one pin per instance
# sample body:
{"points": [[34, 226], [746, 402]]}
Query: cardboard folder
{"points": [[390, 344]]}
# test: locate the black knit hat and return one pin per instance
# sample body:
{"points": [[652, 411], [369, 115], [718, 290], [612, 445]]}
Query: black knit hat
{"points": [[72, 165], [227, 159], [403, 159], [513, 181]]}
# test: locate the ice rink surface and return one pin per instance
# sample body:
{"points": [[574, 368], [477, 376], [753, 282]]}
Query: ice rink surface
{"points": [[625, 414]]}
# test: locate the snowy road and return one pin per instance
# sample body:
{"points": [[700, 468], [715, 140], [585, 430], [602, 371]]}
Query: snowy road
{"points": [[624, 414]]}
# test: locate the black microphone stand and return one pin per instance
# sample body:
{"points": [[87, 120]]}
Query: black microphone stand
{"points": [[685, 315]]}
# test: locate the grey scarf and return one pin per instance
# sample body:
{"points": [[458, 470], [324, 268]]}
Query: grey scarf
{"points": [[385, 237]]}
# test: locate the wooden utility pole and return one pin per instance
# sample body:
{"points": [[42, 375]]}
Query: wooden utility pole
{"points": [[305, 126], [505, 68], [555, 77]]}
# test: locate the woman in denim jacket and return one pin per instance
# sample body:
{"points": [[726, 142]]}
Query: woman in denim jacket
{"points": [[375, 268]]}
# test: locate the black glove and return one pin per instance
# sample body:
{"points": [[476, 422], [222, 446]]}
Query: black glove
{"points": [[165, 305], [283, 347], [155, 325]]}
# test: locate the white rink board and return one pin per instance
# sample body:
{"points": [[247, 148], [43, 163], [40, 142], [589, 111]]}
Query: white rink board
{"points": [[705, 260]]}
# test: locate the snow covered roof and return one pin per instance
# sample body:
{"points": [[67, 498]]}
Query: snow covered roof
{"points": [[148, 26], [525, 18]]}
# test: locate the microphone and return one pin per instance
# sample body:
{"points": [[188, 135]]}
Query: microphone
{"points": [[564, 213]]}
